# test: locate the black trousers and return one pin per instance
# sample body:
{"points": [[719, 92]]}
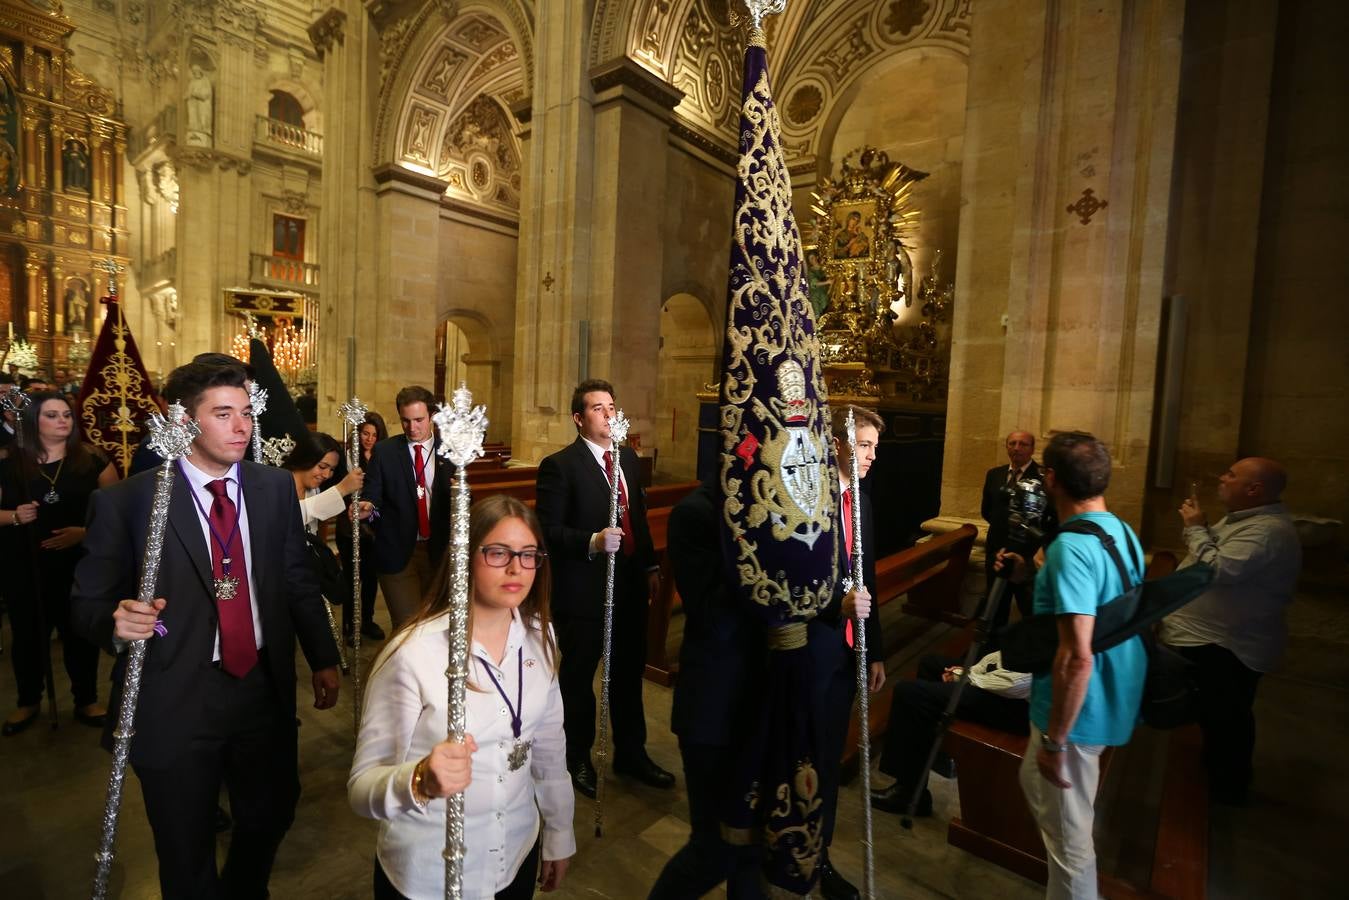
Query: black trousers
{"points": [[916, 707], [834, 694], [248, 743], [32, 630], [580, 640], [707, 860], [369, 581], [1227, 717], [521, 888]]}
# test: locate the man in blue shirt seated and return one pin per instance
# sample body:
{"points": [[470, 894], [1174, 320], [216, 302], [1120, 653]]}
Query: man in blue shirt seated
{"points": [[1087, 702]]}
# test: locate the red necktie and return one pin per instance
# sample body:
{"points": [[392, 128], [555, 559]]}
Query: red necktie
{"points": [[628, 548], [238, 644], [423, 514], [847, 539]]}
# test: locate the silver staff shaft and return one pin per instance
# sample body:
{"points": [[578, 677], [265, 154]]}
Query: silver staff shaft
{"points": [[353, 460], [131, 681], [602, 744], [456, 675], [337, 636], [863, 679]]}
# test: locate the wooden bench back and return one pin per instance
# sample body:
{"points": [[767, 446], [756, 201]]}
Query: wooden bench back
{"points": [[930, 574]]}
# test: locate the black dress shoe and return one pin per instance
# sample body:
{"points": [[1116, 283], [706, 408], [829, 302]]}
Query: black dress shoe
{"points": [[372, 631], [644, 770], [9, 729], [834, 886], [895, 799], [91, 719], [583, 778]]}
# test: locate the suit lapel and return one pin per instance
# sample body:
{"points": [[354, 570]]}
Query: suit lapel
{"points": [[186, 525], [586, 459], [260, 531]]}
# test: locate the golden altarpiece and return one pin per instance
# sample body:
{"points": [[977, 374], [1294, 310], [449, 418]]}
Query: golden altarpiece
{"points": [[62, 145]]}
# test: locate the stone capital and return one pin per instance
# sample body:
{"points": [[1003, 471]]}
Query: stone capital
{"points": [[328, 29], [623, 79], [393, 177]]}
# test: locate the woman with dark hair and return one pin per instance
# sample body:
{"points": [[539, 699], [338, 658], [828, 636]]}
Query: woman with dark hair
{"points": [[313, 462], [44, 495], [511, 767], [372, 432]]}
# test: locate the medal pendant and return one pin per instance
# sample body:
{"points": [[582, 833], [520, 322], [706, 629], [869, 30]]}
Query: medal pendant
{"points": [[519, 754], [421, 492], [52, 497], [226, 587]]}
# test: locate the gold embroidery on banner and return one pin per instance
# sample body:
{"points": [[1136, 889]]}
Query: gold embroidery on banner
{"points": [[776, 293], [121, 384], [803, 841]]}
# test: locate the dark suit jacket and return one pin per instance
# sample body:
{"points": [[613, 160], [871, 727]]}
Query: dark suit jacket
{"points": [[170, 706], [573, 503], [391, 485], [994, 507], [826, 632], [724, 644]]}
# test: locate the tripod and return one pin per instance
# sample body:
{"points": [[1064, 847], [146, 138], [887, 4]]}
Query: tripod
{"points": [[982, 622]]}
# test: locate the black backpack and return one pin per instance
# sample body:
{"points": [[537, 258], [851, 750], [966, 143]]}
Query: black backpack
{"points": [[1170, 690]]}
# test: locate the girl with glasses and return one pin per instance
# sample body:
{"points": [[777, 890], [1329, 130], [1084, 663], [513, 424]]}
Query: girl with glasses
{"points": [[511, 767]]}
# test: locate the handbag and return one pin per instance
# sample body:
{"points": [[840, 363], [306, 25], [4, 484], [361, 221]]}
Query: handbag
{"points": [[333, 583]]}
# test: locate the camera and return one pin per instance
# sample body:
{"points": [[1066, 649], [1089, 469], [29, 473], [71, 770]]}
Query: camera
{"points": [[1026, 508]]}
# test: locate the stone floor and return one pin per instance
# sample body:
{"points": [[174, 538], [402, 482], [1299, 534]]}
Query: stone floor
{"points": [[1287, 844]]}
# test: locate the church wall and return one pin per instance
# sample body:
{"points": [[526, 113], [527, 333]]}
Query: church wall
{"points": [[1295, 406], [697, 236], [477, 292]]}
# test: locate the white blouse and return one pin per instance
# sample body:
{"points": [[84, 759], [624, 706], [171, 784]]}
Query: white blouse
{"points": [[318, 506], [406, 704]]}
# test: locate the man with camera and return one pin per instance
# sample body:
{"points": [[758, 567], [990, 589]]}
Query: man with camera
{"points": [[1087, 701], [995, 507]]}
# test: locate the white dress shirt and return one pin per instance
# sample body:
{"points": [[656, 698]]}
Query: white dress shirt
{"points": [[318, 506], [1256, 556], [404, 717], [598, 452], [196, 482]]}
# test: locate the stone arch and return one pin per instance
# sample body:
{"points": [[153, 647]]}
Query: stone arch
{"points": [[307, 95], [486, 364], [407, 53], [686, 363]]}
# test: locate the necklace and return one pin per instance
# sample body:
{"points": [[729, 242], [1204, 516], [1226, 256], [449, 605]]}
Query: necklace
{"points": [[519, 754], [226, 585], [52, 496]]}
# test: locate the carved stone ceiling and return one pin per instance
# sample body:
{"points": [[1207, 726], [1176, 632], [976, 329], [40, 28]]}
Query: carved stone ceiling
{"points": [[455, 123], [816, 50]]}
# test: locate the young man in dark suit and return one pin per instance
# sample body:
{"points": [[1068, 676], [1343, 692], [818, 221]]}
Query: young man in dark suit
{"points": [[573, 505], [831, 640], [998, 485], [217, 701], [408, 484], [720, 663]]}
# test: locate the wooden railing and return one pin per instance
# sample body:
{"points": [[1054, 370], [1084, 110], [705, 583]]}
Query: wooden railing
{"points": [[284, 272]]}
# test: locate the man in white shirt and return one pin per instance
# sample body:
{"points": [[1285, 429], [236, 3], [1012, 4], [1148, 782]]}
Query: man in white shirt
{"points": [[408, 484], [1235, 631]]}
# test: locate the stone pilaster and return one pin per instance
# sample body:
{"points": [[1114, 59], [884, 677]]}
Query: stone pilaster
{"points": [[1065, 188]]}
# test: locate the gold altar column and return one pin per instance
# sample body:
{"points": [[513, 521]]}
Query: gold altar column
{"points": [[1070, 132]]}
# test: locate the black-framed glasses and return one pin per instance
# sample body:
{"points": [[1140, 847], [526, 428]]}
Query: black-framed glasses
{"points": [[499, 557]]}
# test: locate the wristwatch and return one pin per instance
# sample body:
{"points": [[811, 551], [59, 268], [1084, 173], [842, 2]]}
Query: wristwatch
{"points": [[1051, 745]]}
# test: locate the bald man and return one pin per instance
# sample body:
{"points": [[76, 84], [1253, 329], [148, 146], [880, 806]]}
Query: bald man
{"points": [[994, 508], [1235, 631]]}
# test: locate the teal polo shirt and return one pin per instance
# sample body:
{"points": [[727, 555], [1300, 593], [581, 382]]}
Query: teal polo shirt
{"points": [[1077, 578]]}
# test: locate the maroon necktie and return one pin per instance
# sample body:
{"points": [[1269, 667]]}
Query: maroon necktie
{"points": [[238, 644], [628, 548], [423, 514]]}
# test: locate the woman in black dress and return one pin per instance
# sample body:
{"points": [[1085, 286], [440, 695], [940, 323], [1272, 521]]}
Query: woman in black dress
{"points": [[373, 431], [44, 494]]}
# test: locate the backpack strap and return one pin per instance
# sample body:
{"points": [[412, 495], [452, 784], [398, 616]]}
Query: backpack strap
{"points": [[1085, 526]]}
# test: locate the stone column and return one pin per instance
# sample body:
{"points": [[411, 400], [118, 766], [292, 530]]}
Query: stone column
{"points": [[553, 283], [349, 321], [632, 110], [1070, 129]]}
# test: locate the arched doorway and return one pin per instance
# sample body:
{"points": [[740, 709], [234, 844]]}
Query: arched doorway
{"points": [[686, 364]]}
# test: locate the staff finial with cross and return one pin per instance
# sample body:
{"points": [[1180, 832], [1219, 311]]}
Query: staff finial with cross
{"points": [[111, 267]]}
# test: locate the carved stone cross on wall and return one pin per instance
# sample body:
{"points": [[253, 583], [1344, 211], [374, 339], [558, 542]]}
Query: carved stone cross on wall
{"points": [[1087, 206]]}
